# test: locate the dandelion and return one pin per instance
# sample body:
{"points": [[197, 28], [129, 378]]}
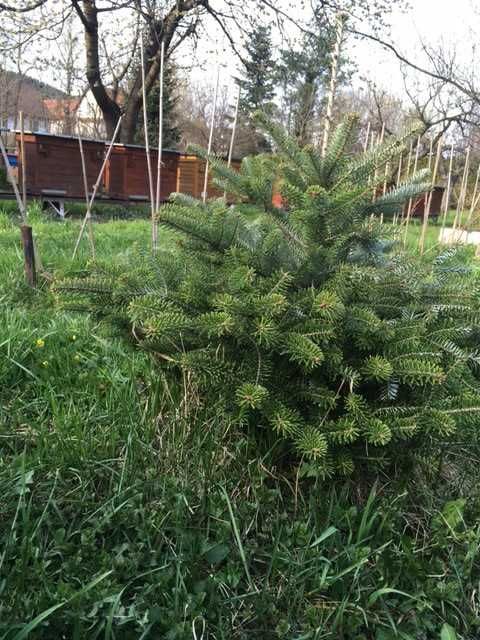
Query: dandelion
{"points": [[76, 357], [40, 343], [45, 363], [74, 337]]}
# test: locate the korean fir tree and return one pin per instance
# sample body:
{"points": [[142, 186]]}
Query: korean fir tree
{"points": [[301, 321]]}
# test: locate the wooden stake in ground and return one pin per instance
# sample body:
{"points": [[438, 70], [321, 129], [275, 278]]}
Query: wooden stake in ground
{"points": [[85, 187], [232, 137], [234, 128], [375, 175], [95, 187], [399, 171], [29, 254], [463, 191], [430, 155], [410, 202], [147, 149], [23, 161], [341, 20], [25, 229], [210, 137], [407, 174], [474, 198], [397, 182], [448, 192], [428, 201], [160, 133], [367, 135]]}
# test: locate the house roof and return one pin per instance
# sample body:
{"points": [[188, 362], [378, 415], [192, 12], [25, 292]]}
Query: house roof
{"points": [[58, 108]]}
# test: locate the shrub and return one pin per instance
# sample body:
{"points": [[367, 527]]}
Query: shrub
{"points": [[301, 321]]}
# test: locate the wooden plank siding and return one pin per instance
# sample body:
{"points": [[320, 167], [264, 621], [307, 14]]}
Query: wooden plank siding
{"points": [[54, 168], [191, 177], [54, 164]]}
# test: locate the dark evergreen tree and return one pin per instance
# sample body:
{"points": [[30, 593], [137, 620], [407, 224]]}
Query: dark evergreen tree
{"points": [[303, 73], [171, 132], [299, 323], [257, 84]]}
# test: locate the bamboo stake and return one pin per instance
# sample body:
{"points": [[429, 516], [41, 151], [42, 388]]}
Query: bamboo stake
{"points": [[448, 193], [210, 136], [474, 197], [410, 202], [147, 149], [160, 128], [365, 144], [399, 172], [373, 138], [379, 142], [397, 182], [407, 174], [463, 189], [232, 137], [385, 177], [85, 187], [382, 134], [24, 165], [95, 186], [430, 154], [341, 20], [428, 202], [384, 189], [234, 128]]}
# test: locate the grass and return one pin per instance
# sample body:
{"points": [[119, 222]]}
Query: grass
{"points": [[128, 512]]}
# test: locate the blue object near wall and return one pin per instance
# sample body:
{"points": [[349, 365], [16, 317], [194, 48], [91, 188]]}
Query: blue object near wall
{"points": [[12, 159]]}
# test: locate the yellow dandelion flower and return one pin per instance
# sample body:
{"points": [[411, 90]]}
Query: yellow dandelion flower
{"points": [[40, 343]]}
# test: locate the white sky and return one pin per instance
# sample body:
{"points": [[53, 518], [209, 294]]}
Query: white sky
{"points": [[454, 22]]}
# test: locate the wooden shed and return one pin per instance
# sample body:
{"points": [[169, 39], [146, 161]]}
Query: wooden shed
{"points": [[191, 177], [126, 177], [418, 206], [54, 166]]}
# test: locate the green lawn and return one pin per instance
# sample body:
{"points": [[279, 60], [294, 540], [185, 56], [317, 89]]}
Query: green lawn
{"points": [[126, 514]]}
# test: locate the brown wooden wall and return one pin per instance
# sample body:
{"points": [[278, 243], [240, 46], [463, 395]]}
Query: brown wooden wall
{"points": [[128, 173], [418, 206], [191, 175], [54, 163]]}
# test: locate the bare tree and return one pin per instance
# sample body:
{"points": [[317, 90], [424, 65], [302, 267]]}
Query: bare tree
{"points": [[113, 29]]}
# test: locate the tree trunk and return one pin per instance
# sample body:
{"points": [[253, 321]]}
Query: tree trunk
{"points": [[159, 30], [109, 108]]}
